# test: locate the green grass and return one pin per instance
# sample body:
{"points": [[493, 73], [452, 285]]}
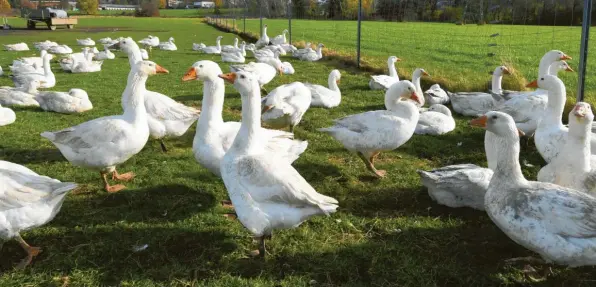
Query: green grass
{"points": [[169, 13], [386, 232], [455, 56]]}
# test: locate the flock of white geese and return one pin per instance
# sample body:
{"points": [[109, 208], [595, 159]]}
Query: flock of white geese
{"points": [[554, 217]]}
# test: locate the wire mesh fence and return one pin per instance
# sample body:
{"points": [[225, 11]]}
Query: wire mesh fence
{"points": [[459, 42]]}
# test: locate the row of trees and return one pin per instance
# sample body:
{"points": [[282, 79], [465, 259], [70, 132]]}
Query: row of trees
{"points": [[537, 12]]}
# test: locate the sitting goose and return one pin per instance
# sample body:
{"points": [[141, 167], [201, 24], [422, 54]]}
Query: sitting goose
{"points": [[106, 54], [24, 96], [27, 200], [7, 117], [230, 48], [150, 41], [285, 105], [280, 39], [436, 96], [16, 47], [213, 49], [478, 103], [75, 101], [47, 78], [169, 45], [85, 42], [437, 120], [383, 82], [326, 97], [312, 55]]}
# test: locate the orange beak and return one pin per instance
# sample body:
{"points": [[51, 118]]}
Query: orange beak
{"points": [[415, 98], [565, 57], [568, 69], [398, 60], [229, 77], [191, 74], [425, 73], [506, 72], [160, 70], [265, 109], [337, 81], [281, 72], [479, 122], [533, 84]]}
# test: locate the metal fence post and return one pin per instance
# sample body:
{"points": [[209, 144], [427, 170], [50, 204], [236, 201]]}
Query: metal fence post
{"points": [[261, 16], [290, 20], [245, 11], [583, 56], [359, 34]]}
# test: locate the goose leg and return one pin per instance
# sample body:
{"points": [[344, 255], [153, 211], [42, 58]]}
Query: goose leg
{"points": [[163, 146], [110, 188], [291, 129], [373, 157], [370, 166], [124, 177], [31, 252], [227, 204]]}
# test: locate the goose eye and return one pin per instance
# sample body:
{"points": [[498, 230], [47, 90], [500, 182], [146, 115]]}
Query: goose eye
{"points": [[200, 66], [494, 117], [242, 77], [542, 79]]}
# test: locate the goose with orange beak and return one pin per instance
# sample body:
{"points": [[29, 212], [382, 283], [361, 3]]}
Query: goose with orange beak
{"points": [[267, 192], [103, 143], [371, 133], [214, 137], [264, 72], [556, 222], [572, 167]]}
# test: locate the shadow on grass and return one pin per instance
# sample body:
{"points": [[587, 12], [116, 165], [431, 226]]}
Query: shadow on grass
{"points": [[26, 156], [154, 205]]}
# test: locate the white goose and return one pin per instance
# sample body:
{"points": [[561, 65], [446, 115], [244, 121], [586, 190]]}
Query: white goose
{"points": [[45, 45], [264, 72], [169, 45], [150, 41], [416, 76], [461, 185], [31, 60], [106, 54], [478, 103], [326, 97], [287, 68], [21, 69], [436, 96], [85, 66], [60, 50], [285, 105], [556, 222], [27, 200], [24, 96], [16, 47], [233, 56], [213, 49], [85, 42], [106, 40], [7, 116], [280, 39], [272, 194], [230, 48], [214, 136], [75, 101], [166, 117], [274, 48], [264, 40], [47, 78], [551, 135], [103, 143], [527, 108], [572, 167], [371, 133], [313, 55], [198, 46], [383, 82], [437, 120], [299, 52]]}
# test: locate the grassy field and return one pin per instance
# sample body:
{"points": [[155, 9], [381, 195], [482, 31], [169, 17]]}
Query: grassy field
{"points": [[387, 232], [455, 56]]}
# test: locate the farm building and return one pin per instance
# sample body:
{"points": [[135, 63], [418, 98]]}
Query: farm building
{"points": [[117, 7], [204, 4]]}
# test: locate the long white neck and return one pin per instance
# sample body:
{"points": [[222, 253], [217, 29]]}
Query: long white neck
{"points": [[508, 170], [218, 44], [333, 84], [416, 81], [264, 32], [248, 135], [392, 70], [284, 37], [320, 52], [212, 106], [46, 66], [553, 115], [405, 108], [236, 43], [553, 69], [134, 55], [496, 83], [134, 98]]}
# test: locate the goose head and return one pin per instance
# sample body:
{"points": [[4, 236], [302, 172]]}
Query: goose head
{"points": [[501, 70], [558, 66], [393, 59], [219, 38], [582, 115], [547, 82], [321, 46], [235, 41], [440, 109], [43, 53], [554, 55], [78, 93], [419, 72], [202, 70], [148, 68], [335, 76], [500, 124], [126, 45], [244, 82], [399, 92]]}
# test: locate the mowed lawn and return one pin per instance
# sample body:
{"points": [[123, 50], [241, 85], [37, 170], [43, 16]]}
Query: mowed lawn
{"points": [[386, 233], [456, 56]]}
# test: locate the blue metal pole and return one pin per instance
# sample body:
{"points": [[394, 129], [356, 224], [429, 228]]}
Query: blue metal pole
{"points": [[359, 33], [583, 57]]}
